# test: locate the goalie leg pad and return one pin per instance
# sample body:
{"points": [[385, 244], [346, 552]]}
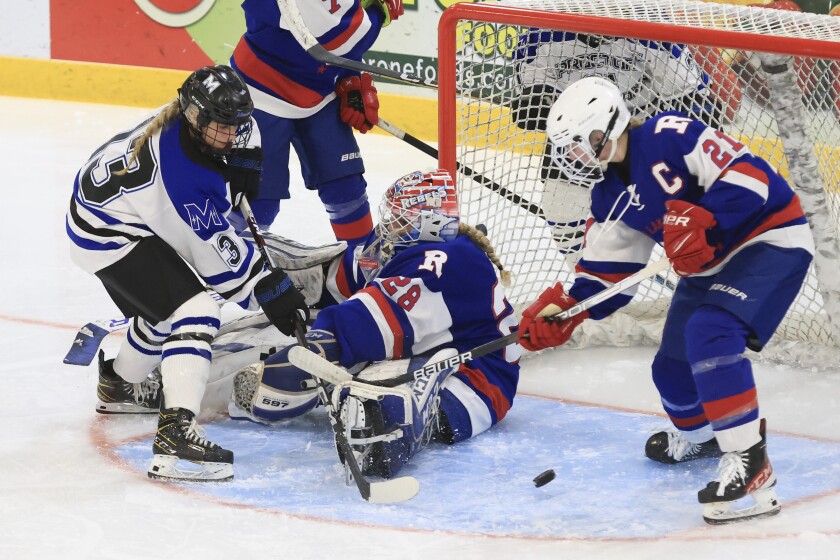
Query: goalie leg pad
{"points": [[388, 432], [292, 392]]}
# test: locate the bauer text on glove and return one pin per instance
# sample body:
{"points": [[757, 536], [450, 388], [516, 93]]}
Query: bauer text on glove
{"points": [[684, 236], [280, 300]]}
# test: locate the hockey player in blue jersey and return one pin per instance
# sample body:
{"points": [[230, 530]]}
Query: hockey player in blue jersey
{"points": [[423, 288], [652, 76], [734, 231], [148, 217], [311, 106]]}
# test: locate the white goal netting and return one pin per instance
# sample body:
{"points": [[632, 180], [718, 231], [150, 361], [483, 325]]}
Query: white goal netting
{"points": [[770, 78]]}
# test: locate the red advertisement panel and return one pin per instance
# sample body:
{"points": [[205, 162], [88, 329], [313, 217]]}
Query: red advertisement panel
{"points": [[118, 32]]}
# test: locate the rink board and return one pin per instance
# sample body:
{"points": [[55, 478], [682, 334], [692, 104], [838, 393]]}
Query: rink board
{"points": [[605, 488]]}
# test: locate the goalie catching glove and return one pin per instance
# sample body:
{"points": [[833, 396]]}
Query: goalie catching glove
{"points": [[538, 333], [684, 236], [359, 102]]}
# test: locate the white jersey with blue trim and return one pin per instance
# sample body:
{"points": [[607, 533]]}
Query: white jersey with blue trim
{"points": [[674, 157], [648, 73], [171, 191]]}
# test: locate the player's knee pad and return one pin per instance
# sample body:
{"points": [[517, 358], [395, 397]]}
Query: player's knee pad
{"points": [[712, 332], [386, 433]]}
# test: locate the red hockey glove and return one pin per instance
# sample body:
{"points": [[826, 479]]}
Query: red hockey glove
{"points": [[359, 103], [684, 231], [543, 334]]}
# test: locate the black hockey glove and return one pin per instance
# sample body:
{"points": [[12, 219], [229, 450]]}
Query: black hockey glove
{"points": [[244, 169], [280, 300]]}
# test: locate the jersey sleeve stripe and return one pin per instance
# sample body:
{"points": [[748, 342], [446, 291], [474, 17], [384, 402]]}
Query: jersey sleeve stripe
{"points": [[749, 177], [268, 77], [341, 283], [384, 305], [89, 244], [355, 23], [232, 275], [383, 310], [256, 269]]}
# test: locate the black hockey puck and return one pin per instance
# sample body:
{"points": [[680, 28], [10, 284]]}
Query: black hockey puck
{"points": [[544, 478]]}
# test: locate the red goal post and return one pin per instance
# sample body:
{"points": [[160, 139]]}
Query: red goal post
{"points": [[789, 117]]}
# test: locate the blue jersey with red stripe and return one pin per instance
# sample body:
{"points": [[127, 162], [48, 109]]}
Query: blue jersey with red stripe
{"points": [[275, 65], [426, 297], [674, 157]]}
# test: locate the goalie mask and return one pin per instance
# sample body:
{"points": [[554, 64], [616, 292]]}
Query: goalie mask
{"points": [[588, 114], [419, 207], [217, 107]]}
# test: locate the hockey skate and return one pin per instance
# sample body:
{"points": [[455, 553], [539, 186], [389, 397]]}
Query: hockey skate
{"points": [[741, 474], [117, 396], [670, 447], [179, 439]]}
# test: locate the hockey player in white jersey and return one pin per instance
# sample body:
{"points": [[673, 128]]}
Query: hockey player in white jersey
{"points": [[652, 77], [735, 232], [148, 217]]}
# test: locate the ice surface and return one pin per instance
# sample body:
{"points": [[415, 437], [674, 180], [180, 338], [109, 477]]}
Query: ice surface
{"points": [[73, 484]]}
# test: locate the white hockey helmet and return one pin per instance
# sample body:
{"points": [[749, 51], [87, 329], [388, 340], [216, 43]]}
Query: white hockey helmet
{"points": [[591, 104]]}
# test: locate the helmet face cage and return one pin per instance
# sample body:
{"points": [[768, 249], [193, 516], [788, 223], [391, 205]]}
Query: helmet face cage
{"points": [[214, 100], [587, 106], [419, 207]]}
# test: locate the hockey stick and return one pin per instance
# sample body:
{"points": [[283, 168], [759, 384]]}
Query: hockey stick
{"points": [[292, 16], [520, 201], [90, 337], [328, 372], [469, 172], [388, 491]]}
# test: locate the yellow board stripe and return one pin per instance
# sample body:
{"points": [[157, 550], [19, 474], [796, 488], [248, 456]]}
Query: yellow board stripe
{"points": [[137, 86]]}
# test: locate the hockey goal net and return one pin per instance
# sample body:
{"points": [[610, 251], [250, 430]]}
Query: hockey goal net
{"points": [[768, 77]]}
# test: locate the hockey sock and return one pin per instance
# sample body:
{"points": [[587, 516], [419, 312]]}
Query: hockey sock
{"points": [[675, 382], [140, 351], [347, 205], [715, 343], [186, 352]]}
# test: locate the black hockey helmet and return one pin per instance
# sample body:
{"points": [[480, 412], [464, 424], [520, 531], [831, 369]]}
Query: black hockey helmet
{"points": [[217, 94]]}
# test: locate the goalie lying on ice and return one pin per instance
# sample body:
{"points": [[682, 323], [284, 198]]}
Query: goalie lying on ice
{"points": [[401, 299]]}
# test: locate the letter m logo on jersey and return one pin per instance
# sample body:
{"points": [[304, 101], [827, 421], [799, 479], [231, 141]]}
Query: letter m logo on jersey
{"points": [[202, 218]]}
